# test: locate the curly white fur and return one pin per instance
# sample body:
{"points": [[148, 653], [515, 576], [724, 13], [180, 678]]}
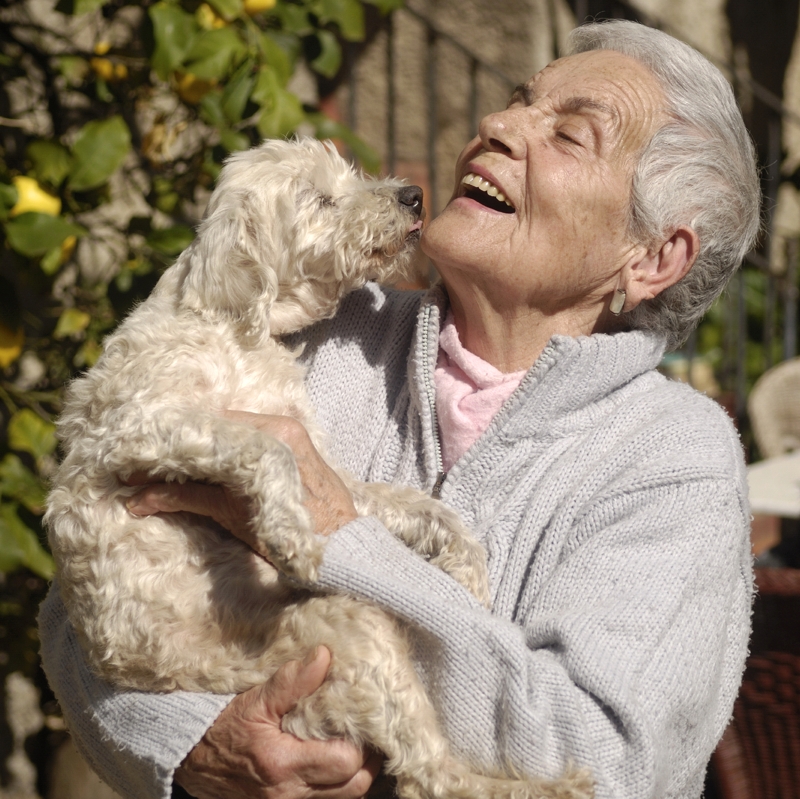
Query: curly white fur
{"points": [[174, 602]]}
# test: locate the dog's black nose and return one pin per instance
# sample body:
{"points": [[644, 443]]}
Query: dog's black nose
{"points": [[411, 196]]}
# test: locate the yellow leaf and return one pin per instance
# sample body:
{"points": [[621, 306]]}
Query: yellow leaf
{"points": [[67, 248], [32, 197], [11, 342], [257, 6], [103, 68], [192, 89], [207, 18]]}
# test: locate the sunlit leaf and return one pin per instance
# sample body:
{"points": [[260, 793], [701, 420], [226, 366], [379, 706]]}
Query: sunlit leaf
{"points": [[34, 234], [71, 321], [171, 241], [347, 14], [294, 19], [28, 432], [215, 53], [18, 482], [228, 9], [98, 152], [329, 60], [174, 31], [282, 116], [51, 161], [280, 52], [19, 545]]}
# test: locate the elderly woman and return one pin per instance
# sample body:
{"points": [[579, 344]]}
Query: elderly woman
{"points": [[593, 223]]}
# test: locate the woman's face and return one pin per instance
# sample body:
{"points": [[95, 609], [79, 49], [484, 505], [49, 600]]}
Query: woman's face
{"points": [[562, 155]]}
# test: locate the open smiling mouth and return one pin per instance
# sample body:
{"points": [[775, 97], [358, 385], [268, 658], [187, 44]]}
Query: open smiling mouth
{"points": [[479, 189]]}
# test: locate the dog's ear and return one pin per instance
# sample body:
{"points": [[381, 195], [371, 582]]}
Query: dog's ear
{"points": [[227, 274]]}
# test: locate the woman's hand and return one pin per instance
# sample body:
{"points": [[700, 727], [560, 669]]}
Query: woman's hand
{"points": [[326, 496], [246, 755]]}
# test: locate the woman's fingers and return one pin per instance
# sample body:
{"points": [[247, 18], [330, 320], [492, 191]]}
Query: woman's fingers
{"points": [[246, 754]]}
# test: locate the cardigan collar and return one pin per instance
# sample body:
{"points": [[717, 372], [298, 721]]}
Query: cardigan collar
{"points": [[572, 375]]}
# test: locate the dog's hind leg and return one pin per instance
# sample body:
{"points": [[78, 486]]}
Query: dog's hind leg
{"points": [[180, 445], [428, 527]]}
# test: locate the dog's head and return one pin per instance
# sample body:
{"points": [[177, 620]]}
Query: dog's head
{"points": [[290, 228]]}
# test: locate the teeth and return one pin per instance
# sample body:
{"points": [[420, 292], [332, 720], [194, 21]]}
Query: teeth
{"points": [[477, 182]]}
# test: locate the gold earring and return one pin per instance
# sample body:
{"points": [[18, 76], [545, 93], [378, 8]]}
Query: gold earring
{"points": [[618, 302]]}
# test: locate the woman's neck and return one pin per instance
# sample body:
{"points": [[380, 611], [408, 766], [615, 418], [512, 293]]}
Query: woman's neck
{"points": [[513, 336]]}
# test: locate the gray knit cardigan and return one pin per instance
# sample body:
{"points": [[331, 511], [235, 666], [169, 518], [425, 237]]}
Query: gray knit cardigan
{"points": [[612, 504]]}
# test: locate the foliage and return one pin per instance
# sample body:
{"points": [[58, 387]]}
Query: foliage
{"points": [[115, 118]]}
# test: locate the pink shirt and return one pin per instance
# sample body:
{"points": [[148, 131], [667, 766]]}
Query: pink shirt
{"points": [[469, 392]]}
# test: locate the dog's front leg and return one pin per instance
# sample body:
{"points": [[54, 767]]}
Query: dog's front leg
{"points": [[178, 445], [428, 527]]}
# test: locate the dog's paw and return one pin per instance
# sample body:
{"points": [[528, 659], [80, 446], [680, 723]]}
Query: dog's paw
{"points": [[464, 560]]}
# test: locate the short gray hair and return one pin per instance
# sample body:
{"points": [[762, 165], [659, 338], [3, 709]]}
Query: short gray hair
{"points": [[698, 170]]}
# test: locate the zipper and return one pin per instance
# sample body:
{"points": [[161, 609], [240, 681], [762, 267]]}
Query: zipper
{"points": [[441, 475]]}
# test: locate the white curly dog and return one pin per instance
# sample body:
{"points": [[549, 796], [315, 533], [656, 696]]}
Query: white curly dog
{"points": [[173, 601]]}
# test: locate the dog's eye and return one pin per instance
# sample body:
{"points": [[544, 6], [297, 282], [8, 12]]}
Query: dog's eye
{"points": [[326, 201]]}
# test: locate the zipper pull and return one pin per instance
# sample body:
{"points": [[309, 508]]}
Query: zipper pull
{"points": [[436, 492]]}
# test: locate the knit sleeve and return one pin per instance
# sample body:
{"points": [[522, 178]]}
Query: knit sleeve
{"points": [[134, 741], [626, 662]]}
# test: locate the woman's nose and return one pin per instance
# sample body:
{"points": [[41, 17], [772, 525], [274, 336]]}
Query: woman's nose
{"points": [[503, 132]]}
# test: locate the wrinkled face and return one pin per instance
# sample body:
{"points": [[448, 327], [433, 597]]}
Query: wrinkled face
{"points": [[540, 209]]}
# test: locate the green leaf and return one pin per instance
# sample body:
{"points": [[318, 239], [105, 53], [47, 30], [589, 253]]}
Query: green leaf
{"points": [[85, 6], [98, 152], [215, 53], [347, 14], [28, 432], [211, 109], [227, 9], [237, 92], [71, 321], [294, 19], [51, 161], [73, 68], [174, 32], [233, 140], [280, 52], [326, 128], [329, 60], [8, 196], [33, 234], [171, 241], [19, 545], [21, 484], [281, 111], [51, 261]]}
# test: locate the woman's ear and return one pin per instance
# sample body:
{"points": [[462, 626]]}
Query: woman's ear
{"points": [[645, 277]]}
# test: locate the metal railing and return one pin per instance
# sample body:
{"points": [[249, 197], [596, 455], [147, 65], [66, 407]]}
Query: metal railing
{"points": [[759, 311]]}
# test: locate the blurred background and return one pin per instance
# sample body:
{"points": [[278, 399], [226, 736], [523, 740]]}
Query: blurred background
{"points": [[114, 120]]}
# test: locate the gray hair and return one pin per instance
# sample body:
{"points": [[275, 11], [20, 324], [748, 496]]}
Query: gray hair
{"points": [[698, 170]]}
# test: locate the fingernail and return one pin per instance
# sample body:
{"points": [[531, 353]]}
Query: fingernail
{"points": [[136, 506], [311, 657]]}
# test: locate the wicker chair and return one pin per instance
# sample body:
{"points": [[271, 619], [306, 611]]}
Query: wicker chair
{"points": [[759, 755], [774, 409]]}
